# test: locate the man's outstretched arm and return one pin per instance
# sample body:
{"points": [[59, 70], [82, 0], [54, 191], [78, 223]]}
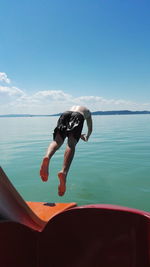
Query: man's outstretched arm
{"points": [[85, 137]]}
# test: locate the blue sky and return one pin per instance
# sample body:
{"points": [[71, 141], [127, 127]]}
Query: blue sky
{"points": [[57, 53]]}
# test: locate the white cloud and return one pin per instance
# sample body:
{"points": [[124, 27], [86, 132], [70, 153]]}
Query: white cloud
{"points": [[15, 100], [4, 78], [100, 103], [8, 97], [10, 91], [52, 95]]}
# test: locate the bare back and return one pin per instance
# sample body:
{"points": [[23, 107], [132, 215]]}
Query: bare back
{"points": [[87, 116], [81, 109]]}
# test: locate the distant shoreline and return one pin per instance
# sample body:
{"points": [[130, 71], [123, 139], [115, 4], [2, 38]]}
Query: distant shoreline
{"points": [[111, 112]]}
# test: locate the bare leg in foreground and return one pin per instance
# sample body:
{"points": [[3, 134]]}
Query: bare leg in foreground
{"points": [[68, 157], [53, 147]]}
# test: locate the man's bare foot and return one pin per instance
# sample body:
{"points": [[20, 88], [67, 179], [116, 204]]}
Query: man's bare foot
{"points": [[62, 185], [44, 169]]}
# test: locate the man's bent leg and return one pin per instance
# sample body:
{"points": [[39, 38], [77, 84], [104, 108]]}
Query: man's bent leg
{"points": [[68, 157], [53, 147]]}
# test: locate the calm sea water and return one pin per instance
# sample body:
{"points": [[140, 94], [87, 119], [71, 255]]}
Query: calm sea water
{"points": [[113, 167]]}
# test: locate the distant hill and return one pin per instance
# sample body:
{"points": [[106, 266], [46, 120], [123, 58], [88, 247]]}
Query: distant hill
{"points": [[110, 112], [23, 115], [120, 112]]}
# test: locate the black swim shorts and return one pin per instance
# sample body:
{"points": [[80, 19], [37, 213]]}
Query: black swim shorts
{"points": [[69, 122]]}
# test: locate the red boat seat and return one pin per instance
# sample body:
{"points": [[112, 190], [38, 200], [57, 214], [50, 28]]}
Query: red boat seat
{"points": [[18, 245], [96, 236]]}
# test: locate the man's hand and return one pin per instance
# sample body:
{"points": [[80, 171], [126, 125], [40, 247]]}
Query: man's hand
{"points": [[84, 137]]}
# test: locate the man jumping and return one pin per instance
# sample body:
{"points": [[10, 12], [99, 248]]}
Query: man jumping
{"points": [[70, 125]]}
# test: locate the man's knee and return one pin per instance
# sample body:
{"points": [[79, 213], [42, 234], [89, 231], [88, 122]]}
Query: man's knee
{"points": [[72, 142], [58, 139]]}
